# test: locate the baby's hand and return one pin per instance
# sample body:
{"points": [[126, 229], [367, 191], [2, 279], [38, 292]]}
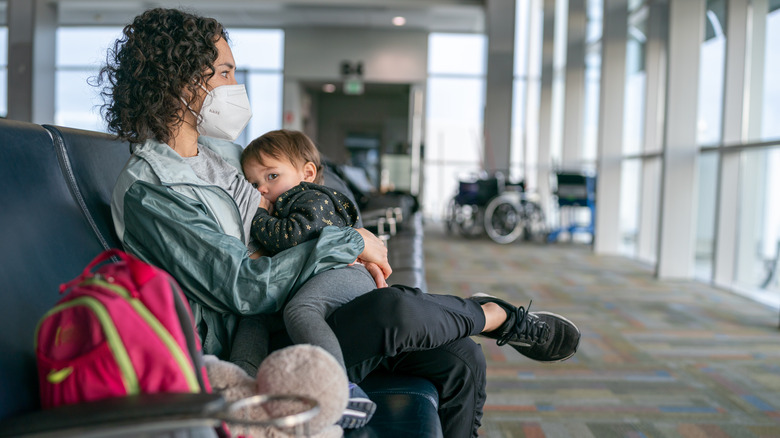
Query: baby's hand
{"points": [[266, 204]]}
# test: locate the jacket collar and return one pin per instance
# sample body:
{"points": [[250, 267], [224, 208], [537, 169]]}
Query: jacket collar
{"points": [[171, 168]]}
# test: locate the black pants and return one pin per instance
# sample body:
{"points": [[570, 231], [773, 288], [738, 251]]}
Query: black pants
{"points": [[401, 329]]}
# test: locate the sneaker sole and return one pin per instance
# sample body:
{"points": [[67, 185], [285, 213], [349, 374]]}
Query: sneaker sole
{"points": [[357, 414]]}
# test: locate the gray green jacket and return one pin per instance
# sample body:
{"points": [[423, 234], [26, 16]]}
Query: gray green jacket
{"points": [[164, 214]]}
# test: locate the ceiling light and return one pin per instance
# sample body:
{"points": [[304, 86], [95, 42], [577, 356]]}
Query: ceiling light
{"points": [[399, 21], [329, 88]]}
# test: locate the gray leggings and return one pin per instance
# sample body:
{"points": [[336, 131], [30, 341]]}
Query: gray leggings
{"points": [[305, 313]]}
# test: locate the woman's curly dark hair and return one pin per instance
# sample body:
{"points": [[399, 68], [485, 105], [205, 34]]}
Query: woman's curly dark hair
{"points": [[160, 54]]}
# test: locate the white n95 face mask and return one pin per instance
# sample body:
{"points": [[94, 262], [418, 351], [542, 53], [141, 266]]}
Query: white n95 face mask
{"points": [[225, 112]]}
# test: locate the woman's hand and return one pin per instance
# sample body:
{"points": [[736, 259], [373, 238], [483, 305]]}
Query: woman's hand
{"points": [[374, 252]]}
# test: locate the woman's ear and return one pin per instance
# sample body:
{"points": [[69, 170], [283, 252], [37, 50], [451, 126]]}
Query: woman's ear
{"points": [[309, 172]]}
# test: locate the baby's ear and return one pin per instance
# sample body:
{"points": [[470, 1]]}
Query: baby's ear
{"points": [[309, 172]]}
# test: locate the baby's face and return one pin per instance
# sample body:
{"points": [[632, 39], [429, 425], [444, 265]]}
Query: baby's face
{"points": [[274, 177]]}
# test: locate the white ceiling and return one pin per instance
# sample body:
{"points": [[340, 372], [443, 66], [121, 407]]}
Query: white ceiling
{"points": [[429, 15]]}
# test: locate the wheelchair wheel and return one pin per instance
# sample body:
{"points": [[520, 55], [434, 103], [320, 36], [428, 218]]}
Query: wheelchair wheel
{"points": [[504, 219], [468, 218], [535, 226]]}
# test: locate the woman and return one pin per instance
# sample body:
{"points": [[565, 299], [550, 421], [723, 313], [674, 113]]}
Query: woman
{"points": [[181, 204]]}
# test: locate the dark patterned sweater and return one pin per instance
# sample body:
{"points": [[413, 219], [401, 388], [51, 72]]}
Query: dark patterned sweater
{"points": [[299, 214]]}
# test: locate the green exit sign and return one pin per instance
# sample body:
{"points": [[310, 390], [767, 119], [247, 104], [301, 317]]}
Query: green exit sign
{"points": [[353, 86]]}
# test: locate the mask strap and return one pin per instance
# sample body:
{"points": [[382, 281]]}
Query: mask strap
{"points": [[186, 105]]}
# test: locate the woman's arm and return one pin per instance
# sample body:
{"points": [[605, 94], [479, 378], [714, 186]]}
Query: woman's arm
{"points": [[175, 233]]}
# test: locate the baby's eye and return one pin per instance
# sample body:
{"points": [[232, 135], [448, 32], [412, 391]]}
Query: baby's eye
{"points": [[273, 176]]}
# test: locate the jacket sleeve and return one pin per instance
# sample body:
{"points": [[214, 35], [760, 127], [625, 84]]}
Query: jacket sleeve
{"points": [[301, 220], [177, 234]]}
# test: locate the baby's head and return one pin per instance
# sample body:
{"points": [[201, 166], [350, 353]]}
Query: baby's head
{"points": [[280, 160]]}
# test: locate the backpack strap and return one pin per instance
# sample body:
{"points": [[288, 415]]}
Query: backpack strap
{"points": [[140, 271]]}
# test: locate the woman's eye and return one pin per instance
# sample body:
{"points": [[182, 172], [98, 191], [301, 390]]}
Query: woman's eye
{"points": [[254, 185]]}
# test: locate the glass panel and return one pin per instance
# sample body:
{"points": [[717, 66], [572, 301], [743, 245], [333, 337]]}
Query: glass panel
{"points": [[453, 134], [84, 46], [519, 139], [258, 49], [522, 29], [80, 53], [265, 96], [758, 252], [3, 46], [629, 206], [595, 20], [711, 75], [591, 116], [532, 164], [458, 54], [636, 76], [770, 112], [649, 205], [635, 4], [706, 213], [76, 101]]}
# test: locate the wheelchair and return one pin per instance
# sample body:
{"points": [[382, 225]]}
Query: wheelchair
{"points": [[502, 210], [466, 210]]}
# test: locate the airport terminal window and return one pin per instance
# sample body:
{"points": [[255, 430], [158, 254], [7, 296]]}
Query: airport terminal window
{"points": [[711, 74], [636, 78], [770, 113], [260, 57], [705, 216], [630, 195], [454, 114], [758, 252], [81, 51], [526, 92], [592, 81]]}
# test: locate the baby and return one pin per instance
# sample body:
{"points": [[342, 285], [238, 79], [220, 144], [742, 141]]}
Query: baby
{"points": [[284, 166]]}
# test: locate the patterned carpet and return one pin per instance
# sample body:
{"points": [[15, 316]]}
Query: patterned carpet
{"points": [[657, 359]]}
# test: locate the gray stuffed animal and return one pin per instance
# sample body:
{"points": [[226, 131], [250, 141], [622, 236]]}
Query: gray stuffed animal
{"points": [[305, 370]]}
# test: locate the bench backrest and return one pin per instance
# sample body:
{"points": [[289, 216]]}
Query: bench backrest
{"points": [[47, 234]]}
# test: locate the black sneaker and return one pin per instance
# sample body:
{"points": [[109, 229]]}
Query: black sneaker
{"points": [[541, 336], [359, 409]]}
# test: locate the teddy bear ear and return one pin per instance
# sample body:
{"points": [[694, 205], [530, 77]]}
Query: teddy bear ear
{"points": [[224, 375]]}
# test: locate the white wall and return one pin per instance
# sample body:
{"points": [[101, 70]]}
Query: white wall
{"points": [[387, 56]]}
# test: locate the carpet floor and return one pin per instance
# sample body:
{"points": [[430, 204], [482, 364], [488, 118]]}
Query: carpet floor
{"points": [[656, 358]]}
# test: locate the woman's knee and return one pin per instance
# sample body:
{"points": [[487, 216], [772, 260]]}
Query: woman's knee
{"points": [[396, 306]]}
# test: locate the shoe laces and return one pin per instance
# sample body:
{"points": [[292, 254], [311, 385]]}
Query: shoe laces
{"points": [[527, 328]]}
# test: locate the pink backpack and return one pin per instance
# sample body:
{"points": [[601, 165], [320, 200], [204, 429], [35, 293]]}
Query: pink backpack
{"points": [[121, 330]]}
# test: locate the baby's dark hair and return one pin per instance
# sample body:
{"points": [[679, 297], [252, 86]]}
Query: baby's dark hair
{"points": [[284, 144], [162, 53]]}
